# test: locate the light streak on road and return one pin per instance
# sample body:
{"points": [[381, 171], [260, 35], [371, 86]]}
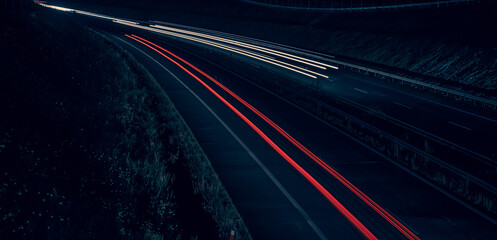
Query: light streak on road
{"points": [[387, 216], [252, 55], [251, 46], [363, 230], [54, 7], [177, 33], [82, 12], [125, 21], [174, 32]]}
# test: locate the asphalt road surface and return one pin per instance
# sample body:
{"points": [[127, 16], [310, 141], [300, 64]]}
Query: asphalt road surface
{"points": [[267, 151]]}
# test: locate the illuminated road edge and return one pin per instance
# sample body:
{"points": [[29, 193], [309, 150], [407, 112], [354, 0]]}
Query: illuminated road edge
{"points": [[228, 45]]}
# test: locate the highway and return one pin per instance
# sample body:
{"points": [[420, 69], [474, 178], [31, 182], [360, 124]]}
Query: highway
{"points": [[290, 174], [456, 122]]}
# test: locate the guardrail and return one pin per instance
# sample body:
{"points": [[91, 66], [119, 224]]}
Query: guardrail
{"points": [[480, 195], [467, 183], [327, 58], [369, 8], [418, 82], [332, 59]]}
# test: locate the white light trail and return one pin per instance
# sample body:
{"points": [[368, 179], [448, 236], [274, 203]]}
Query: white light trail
{"points": [[254, 47], [219, 43], [125, 21], [55, 7], [228, 48]]}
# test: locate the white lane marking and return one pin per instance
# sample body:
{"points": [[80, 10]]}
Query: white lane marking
{"points": [[424, 99], [273, 60], [364, 145], [292, 200], [409, 171], [459, 125], [360, 90], [402, 92], [433, 135], [409, 125], [402, 105]]}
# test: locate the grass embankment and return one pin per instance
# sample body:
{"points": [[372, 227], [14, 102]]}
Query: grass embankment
{"points": [[91, 147], [455, 47]]}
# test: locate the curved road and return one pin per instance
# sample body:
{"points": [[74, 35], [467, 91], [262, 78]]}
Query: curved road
{"points": [[279, 189], [274, 200]]}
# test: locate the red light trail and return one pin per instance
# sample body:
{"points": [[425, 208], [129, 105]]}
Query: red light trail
{"points": [[386, 215], [404, 230]]}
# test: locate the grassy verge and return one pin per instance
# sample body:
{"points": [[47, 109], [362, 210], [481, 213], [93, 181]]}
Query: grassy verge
{"points": [[91, 147]]}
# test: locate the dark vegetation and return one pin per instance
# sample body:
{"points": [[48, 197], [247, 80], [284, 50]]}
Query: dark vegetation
{"points": [[455, 47], [452, 46], [91, 147]]}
